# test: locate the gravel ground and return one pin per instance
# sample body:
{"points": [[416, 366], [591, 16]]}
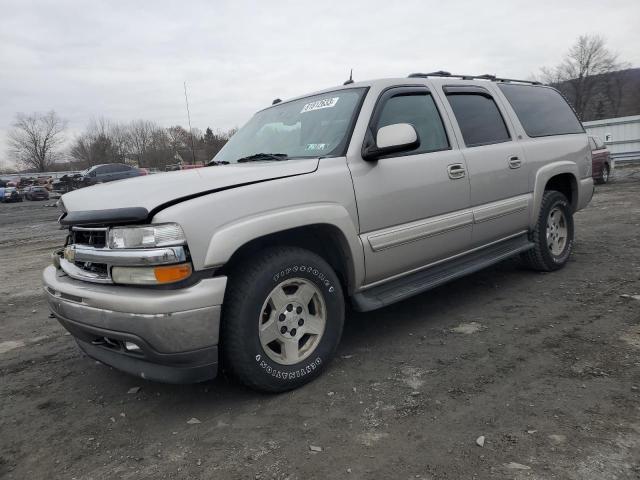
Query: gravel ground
{"points": [[545, 367]]}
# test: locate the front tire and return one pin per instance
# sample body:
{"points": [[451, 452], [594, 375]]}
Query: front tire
{"points": [[553, 234], [283, 318]]}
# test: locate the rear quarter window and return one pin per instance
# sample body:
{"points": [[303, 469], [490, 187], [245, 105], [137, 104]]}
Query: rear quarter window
{"points": [[542, 111]]}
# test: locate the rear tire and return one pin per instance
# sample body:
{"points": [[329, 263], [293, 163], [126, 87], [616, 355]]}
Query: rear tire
{"points": [[605, 173], [552, 235], [283, 315]]}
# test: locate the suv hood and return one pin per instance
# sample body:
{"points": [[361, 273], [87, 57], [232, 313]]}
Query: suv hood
{"points": [[152, 192]]}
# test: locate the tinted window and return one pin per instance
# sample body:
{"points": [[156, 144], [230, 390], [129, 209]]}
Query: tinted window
{"points": [[420, 111], [479, 119], [541, 110], [115, 168]]}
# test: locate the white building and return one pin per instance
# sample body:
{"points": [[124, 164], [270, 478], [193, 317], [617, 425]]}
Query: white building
{"points": [[621, 136]]}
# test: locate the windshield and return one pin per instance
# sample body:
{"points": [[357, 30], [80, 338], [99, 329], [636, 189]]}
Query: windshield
{"points": [[316, 126]]}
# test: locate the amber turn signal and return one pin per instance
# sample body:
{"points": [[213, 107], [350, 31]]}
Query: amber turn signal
{"points": [[172, 273]]}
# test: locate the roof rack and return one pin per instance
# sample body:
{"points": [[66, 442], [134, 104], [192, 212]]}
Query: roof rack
{"points": [[486, 76]]}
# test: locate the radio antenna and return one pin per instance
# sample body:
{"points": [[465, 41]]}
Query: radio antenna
{"points": [[186, 100], [350, 81]]}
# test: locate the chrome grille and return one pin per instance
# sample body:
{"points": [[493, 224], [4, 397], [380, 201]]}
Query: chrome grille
{"points": [[88, 257], [94, 237]]}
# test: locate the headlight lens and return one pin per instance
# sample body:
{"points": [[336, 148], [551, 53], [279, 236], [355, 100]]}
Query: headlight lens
{"points": [[147, 236]]}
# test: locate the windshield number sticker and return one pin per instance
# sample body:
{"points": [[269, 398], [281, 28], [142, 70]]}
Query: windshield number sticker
{"points": [[316, 146], [320, 104]]}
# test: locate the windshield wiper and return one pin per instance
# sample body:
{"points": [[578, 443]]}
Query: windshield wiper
{"points": [[259, 157], [218, 162]]}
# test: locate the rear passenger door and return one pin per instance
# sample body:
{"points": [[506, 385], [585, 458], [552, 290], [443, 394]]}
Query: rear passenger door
{"points": [[498, 172], [413, 207]]}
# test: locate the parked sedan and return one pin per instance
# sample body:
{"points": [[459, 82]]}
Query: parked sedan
{"points": [[36, 193], [11, 194], [602, 166], [109, 172]]}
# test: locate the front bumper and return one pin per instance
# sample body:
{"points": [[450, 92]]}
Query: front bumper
{"points": [[174, 332]]}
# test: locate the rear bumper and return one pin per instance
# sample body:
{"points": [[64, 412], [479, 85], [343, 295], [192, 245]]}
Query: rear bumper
{"points": [[172, 334]]}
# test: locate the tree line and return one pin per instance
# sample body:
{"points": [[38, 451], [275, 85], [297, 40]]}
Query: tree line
{"points": [[37, 142], [591, 76], [146, 144]]}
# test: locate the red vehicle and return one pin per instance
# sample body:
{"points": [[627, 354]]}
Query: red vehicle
{"points": [[601, 161]]}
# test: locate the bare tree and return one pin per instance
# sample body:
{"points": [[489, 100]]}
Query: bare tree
{"points": [[139, 138], [102, 142], [35, 139], [577, 74]]}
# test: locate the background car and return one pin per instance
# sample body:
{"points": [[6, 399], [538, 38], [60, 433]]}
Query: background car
{"points": [[109, 172], [36, 192], [602, 167], [11, 194]]}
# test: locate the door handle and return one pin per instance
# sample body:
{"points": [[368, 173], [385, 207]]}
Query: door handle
{"points": [[455, 171], [515, 162]]}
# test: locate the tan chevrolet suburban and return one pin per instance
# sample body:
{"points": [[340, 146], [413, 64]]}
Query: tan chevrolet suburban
{"points": [[363, 194]]}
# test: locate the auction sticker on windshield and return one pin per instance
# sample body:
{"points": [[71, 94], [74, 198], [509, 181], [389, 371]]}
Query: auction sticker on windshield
{"points": [[320, 104]]}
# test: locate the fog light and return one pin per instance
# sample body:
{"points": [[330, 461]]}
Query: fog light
{"points": [[151, 275]]}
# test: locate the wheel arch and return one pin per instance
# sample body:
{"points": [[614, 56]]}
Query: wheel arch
{"points": [[559, 176], [327, 231]]}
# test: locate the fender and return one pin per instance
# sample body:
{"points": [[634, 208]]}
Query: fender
{"points": [[230, 237], [542, 177]]}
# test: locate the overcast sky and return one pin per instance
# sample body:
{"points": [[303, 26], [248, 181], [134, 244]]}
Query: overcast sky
{"points": [[126, 60]]}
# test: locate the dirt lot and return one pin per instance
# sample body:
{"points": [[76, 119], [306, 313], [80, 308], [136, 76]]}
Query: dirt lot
{"points": [[545, 366]]}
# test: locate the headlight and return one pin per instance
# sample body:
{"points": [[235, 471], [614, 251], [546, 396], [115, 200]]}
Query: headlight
{"points": [[147, 236]]}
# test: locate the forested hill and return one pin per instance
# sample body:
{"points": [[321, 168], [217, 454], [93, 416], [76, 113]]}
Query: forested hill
{"points": [[610, 95]]}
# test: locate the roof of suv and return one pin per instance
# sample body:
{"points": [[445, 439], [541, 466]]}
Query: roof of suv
{"points": [[437, 78]]}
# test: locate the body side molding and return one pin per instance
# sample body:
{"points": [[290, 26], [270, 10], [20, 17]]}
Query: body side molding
{"points": [[414, 231], [489, 211]]}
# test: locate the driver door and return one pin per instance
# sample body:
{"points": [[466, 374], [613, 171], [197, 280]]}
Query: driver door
{"points": [[413, 206]]}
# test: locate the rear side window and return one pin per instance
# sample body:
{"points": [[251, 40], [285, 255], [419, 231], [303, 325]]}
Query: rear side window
{"points": [[420, 111], [479, 119], [541, 110]]}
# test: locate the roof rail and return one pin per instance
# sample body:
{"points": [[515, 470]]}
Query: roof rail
{"points": [[486, 76]]}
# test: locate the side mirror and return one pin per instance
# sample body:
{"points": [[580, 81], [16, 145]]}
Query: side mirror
{"points": [[399, 137]]}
